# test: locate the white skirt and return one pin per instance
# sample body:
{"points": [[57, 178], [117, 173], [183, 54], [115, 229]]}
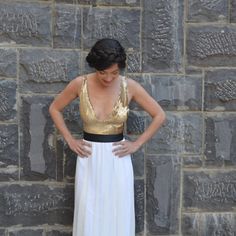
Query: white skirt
{"points": [[104, 194]]}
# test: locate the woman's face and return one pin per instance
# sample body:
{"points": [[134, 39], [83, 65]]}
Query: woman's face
{"points": [[106, 77]]}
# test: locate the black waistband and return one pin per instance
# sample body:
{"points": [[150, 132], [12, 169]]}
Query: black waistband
{"points": [[103, 138]]}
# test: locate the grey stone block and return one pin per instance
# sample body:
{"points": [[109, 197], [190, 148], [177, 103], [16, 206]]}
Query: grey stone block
{"points": [[72, 118], [66, 165], [139, 205], [211, 45], [181, 133], [162, 194], [38, 153], [67, 28], [192, 161], [119, 23], [162, 35], [58, 233], [27, 232], [220, 139], [32, 205], [220, 90], [8, 63], [138, 162], [205, 224], [207, 11], [209, 191], [233, 11], [47, 71], [25, 24], [8, 152], [174, 92], [135, 122], [133, 62], [7, 100]]}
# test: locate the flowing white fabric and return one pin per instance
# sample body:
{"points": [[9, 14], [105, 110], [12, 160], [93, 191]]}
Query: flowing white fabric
{"points": [[104, 194]]}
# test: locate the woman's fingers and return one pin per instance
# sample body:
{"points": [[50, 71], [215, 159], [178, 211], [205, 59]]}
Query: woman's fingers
{"points": [[122, 148], [82, 148]]}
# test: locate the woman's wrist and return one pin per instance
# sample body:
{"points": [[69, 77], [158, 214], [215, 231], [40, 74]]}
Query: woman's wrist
{"points": [[68, 138]]}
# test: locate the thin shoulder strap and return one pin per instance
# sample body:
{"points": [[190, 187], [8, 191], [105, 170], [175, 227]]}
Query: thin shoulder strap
{"points": [[83, 85], [124, 91]]}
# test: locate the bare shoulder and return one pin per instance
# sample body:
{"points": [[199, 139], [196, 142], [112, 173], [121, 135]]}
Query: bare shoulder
{"points": [[133, 86], [75, 85]]}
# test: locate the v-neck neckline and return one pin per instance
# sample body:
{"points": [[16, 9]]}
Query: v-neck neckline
{"points": [[114, 105]]}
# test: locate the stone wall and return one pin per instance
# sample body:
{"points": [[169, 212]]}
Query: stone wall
{"points": [[182, 51]]}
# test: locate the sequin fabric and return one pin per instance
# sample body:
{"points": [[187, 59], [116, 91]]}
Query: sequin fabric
{"points": [[114, 123]]}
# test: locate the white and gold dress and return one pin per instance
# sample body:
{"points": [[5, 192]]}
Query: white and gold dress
{"points": [[104, 183]]}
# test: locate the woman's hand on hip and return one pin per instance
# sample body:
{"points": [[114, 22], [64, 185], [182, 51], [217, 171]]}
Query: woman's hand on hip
{"points": [[124, 148], [80, 147]]}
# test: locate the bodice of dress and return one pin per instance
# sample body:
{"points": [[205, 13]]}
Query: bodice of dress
{"points": [[114, 123]]}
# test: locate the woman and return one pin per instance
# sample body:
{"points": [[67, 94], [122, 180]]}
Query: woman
{"points": [[104, 195]]}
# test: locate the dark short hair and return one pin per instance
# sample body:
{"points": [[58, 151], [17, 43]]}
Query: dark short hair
{"points": [[105, 53]]}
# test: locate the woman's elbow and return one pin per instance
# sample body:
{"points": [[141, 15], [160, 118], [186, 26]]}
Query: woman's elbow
{"points": [[162, 117], [51, 109]]}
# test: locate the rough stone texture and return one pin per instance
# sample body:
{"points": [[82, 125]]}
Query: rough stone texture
{"points": [[181, 133], [139, 205], [162, 34], [38, 154], [47, 71], [72, 118], [27, 24], [138, 162], [174, 92], [67, 31], [233, 11], [66, 162], [201, 224], [8, 63], [133, 62], [26, 232], [120, 24], [162, 194], [58, 233], [35, 204], [211, 45], [8, 152], [192, 161], [207, 10], [220, 90], [220, 139], [135, 123], [209, 190], [7, 100]]}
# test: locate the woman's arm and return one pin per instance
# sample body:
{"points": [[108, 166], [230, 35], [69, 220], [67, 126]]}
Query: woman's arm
{"points": [[63, 99], [139, 95]]}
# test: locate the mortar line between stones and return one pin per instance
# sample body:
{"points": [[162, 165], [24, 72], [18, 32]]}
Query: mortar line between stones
{"points": [[185, 7], [82, 39], [18, 111], [203, 115], [184, 61], [216, 24], [220, 169], [229, 11], [145, 121], [52, 22]]}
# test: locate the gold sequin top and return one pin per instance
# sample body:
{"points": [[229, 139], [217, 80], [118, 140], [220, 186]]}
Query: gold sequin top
{"points": [[114, 123]]}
